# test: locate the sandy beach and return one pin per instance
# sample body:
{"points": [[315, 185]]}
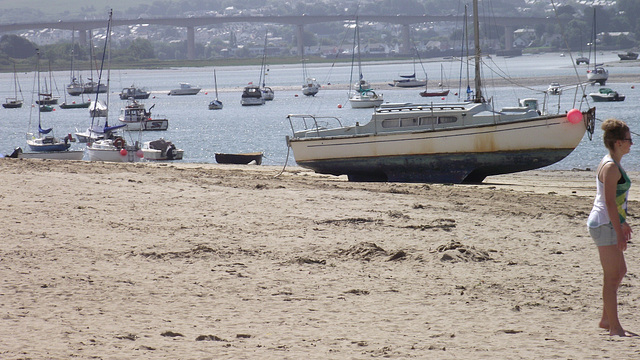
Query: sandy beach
{"points": [[205, 261]]}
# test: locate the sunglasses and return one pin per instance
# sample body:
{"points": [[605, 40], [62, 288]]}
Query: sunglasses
{"points": [[629, 140]]}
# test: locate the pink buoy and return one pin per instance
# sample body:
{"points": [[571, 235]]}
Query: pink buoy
{"points": [[140, 153], [123, 152], [574, 116], [339, 106]]}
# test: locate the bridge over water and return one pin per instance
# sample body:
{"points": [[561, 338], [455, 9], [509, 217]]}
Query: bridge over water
{"points": [[191, 23]]}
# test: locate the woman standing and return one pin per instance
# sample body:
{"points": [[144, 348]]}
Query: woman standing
{"points": [[607, 222]]}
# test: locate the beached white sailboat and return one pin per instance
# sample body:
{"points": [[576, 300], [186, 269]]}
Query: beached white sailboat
{"points": [[444, 143]]}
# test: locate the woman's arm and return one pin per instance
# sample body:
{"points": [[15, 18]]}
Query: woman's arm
{"points": [[610, 176]]}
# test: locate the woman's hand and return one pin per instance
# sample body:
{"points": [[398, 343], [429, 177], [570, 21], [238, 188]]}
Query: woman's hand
{"points": [[624, 236]]}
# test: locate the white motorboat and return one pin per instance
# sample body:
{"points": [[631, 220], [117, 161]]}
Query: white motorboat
{"points": [[267, 93], [365, 98], [310, 87], [137, 118], [113, 150], [161, 150], [133, 92], [443, 143], [251, 96], [606, 94], [554, 89], [185, 89]]}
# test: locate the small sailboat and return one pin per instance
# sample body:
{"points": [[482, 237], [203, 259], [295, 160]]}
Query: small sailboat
{"points": [[215, 104], [598, 74], [441, 92], [409, 81], [14, 102], [267, 92], [363, 96], [310, 87], [74, 89], [47, 97], [44, 140]]}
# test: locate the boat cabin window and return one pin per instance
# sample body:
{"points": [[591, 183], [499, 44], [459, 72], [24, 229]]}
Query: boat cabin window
{"points": [[427, 120], [402, 122], [430, 120], [446, 119]]}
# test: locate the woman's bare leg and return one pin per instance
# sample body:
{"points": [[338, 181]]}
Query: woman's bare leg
{"points": [[614, 268]]}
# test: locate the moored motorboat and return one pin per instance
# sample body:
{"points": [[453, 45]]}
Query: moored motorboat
{"points": [[365, 98], [136, 118], [161, 149], [133, 92], [310, 87], [606, 94], [629, 55], [251, 96], [185, 89]]}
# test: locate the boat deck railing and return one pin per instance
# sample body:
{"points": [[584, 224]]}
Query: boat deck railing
{"points": [[312, 122], [420, 107]]}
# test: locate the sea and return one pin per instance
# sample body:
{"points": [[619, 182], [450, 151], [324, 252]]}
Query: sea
{"points": [[236, 129]]}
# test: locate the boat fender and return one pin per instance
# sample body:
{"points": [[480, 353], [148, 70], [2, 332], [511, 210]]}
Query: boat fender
{"points": [[118, 142]]}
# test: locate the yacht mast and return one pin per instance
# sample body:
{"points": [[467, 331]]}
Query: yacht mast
{"points": [[476, 36]]}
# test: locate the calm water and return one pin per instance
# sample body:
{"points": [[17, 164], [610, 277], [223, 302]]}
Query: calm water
{"points": [[202, 132]]}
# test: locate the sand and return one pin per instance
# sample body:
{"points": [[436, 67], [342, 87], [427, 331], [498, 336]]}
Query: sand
{"points": [[205, 261]]}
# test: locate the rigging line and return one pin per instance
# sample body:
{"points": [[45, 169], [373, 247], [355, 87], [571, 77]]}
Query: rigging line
{"points": [[566, 43]]}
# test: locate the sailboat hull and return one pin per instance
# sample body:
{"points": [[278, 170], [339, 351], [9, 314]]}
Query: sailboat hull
{"points": [[455, 155]]}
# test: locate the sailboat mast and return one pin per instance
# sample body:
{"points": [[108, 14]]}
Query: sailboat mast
{"points": [[359, 57], [39, 102], [215, 82], [476, 38], [263, 75], [108, 62]]}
